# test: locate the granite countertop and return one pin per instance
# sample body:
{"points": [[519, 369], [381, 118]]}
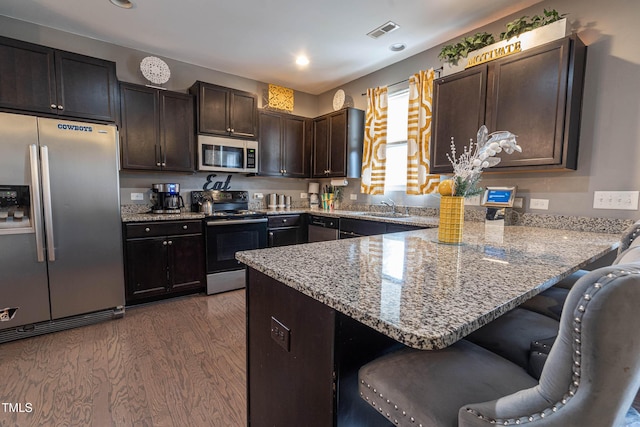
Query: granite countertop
{"points": [[149, 217], [421, 221], [425, 294], [417, 220]]}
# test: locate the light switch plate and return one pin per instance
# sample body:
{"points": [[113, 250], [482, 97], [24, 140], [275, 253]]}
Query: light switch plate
{"points": [[304, 195], [137, 196], [353, 197], [623, 200]]}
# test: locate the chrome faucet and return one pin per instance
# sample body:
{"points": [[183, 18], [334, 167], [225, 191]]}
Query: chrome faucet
{"points": [[390, 203]]}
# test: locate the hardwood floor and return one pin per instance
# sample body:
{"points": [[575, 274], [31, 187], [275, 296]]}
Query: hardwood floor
{"points": [[175, 363]]}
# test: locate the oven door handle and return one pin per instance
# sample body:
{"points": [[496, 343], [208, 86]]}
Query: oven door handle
{"points": [[236, 221]]}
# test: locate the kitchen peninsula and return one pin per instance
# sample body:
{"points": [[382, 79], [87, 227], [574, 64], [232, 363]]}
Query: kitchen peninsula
{"points": [[357, 298]]}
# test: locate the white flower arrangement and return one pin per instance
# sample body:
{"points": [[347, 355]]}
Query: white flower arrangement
{"points": [[476, 157]]}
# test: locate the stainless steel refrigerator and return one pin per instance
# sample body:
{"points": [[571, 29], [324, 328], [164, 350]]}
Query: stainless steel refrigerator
{"points": [[60, 230]]}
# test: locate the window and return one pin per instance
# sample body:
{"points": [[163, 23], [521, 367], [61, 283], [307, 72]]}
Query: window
{"points": [[396, 170]]}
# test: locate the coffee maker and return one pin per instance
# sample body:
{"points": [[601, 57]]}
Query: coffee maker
{"points": [[166, 198]]}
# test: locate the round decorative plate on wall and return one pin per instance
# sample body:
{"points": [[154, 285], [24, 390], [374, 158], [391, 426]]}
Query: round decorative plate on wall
{"points": [[338, 100], [155, 70]]}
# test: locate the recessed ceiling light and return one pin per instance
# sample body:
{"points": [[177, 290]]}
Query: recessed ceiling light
{"points": [[397, 47], [302, 60], [125, 4]]}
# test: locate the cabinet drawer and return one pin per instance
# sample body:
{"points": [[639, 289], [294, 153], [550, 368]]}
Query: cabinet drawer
{"points": [[154, 229], [284, 221], [362, 227]]}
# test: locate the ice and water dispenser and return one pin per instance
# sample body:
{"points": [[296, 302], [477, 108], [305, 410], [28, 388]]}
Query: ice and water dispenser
{"points": [[15, 208]]}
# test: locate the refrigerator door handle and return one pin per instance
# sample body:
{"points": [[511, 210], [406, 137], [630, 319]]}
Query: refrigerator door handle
{"points": [[36, 201], [46, 196]]}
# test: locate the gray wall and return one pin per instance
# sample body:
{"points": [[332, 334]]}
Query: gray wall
{"points": [[610, 128], [610, 132]]}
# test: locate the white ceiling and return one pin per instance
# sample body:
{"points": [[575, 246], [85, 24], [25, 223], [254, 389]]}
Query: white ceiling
{"points": [[259, 39]]}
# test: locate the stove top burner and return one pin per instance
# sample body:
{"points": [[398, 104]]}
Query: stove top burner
{"points": [[225, 203]]}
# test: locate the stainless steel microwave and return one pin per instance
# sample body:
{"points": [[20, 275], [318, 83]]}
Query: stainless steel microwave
{"points": [[227, 155]]}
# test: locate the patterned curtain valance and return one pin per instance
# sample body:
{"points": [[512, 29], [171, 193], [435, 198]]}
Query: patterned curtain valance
{"points": [[419, 181], [374, 153]]}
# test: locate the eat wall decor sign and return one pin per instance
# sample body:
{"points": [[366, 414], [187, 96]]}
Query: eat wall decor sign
{"points": [[210, 184]]}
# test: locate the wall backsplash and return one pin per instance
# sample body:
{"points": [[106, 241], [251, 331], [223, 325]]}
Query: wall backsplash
{"points": [[134, 182], [140, 182]]}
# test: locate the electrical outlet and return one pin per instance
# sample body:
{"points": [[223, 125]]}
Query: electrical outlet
{"points": [[624, 200], [137, 196], [280, 334], [472, 201], [258, 195], [542, 204], [304, 195], [353, 197], [518, 202]]}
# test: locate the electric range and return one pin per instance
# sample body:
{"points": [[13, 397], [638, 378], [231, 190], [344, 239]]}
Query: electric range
{"points": [[232, 227]]}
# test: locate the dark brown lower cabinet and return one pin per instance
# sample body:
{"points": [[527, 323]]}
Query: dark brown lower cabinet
{"points": [[163, 259], [303, 359], [287, 230]]}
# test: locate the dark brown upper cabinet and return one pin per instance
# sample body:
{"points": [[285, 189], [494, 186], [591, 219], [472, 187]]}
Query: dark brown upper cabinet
{"points": [[40, 79], [337, 144], [157, 129], [225, 112], [536, 94], [284, 145]]}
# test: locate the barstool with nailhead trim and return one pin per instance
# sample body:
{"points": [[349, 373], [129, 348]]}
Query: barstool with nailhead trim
{"points": [[590, 378]]}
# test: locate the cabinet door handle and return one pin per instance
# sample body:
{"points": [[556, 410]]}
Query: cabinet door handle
{"points": [[147, 229], [284, 171], [165, 243], [284, 221], [232, 130], [60, 107], [271, 239], [54, 106], [155, 148], [228, 129], [184, 227], [170, 242]]}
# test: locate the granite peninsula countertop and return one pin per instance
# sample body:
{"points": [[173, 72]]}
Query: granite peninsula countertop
{"points": [[425, 294]]}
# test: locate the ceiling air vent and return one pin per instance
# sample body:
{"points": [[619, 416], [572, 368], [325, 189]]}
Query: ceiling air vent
{"points": [[383, 29]]}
